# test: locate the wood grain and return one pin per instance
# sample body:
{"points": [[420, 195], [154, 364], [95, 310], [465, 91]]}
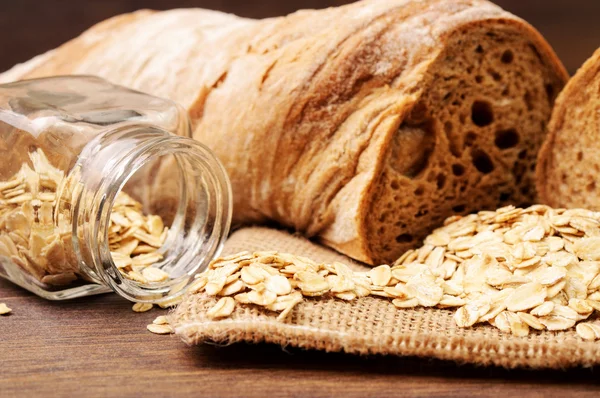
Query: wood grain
{"points": [[98, 347]]}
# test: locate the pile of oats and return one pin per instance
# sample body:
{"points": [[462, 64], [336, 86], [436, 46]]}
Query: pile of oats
{"points": [[515, 269], [32, 238]]}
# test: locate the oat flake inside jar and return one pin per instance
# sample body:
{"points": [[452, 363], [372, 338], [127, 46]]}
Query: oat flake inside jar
{"points": [[102, 188]]}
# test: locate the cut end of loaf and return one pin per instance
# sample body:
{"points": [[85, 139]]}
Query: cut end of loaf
{"points": [[568, 163], [471, 141]]}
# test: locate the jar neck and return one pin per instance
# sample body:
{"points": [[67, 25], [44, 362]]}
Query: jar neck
{"points": [[174, 177]]}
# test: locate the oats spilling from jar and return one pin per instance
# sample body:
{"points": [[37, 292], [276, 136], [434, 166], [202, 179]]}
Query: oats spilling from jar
{"points": [[135, 239], [41, 245], [275, 281], [515, 269]]}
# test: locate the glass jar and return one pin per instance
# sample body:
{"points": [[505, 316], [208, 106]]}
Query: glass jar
{"points": [[90, 174]]}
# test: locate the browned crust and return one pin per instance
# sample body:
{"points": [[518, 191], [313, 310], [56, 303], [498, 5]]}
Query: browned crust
{"points": [[586, 73]]}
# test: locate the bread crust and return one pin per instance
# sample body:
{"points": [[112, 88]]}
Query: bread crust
{"points": [[300, 109]]}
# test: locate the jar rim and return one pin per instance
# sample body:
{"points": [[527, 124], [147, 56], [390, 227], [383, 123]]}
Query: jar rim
{"points": [[196, 248]]}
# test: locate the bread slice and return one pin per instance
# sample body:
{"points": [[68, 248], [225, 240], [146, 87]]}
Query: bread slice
{"points": [[569, 162], [364, 125]]}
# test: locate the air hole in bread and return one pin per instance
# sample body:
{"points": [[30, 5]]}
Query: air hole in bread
{"points": [[591, 186], [431, 176], [532, 166], [440, 181], [495, 75], [395, 185], [470, 138], [414, 145], [448, 127], [479, 49], [482, 161], [455, 148], [504, 196], [459, 208], [518, 171], [579, 156], [458, 169], [421, 213], [479, 79], [523, 154], [506, 139], [528, 100], [507, 57], [404, 238], [419, 191], [482, 113]]}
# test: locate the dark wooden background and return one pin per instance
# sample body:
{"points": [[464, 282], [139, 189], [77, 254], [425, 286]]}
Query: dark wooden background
{"points": [[29, 27]]}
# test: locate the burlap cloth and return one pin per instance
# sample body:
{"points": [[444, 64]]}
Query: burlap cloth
{"points": [[371, 325]]}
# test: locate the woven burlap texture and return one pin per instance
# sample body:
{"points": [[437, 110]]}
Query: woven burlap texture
{"points": [[370, 325]]}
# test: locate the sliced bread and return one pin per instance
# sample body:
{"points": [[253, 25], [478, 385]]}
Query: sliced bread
{"points": [[569, 162]]}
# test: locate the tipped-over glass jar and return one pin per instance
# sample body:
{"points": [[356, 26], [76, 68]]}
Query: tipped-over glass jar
{"points": [[101, 188]]}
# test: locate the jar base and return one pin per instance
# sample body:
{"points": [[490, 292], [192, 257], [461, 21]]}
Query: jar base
{"points": [[11, 272]]}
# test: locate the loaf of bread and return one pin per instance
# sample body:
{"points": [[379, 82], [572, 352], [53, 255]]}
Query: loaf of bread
{"points": [[569, 162], [364, 125]]}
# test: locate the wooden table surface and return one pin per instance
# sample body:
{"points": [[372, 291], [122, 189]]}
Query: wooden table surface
{"points": [[98, 347]]}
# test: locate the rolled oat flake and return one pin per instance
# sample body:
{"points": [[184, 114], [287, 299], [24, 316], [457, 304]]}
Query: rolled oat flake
{"points": [[102, 188]]}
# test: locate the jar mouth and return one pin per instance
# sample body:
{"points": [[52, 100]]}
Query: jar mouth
{"points": [[176, 179]]}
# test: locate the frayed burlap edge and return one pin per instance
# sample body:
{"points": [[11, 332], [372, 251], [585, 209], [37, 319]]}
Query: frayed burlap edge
{"points": [[371, 325]]}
